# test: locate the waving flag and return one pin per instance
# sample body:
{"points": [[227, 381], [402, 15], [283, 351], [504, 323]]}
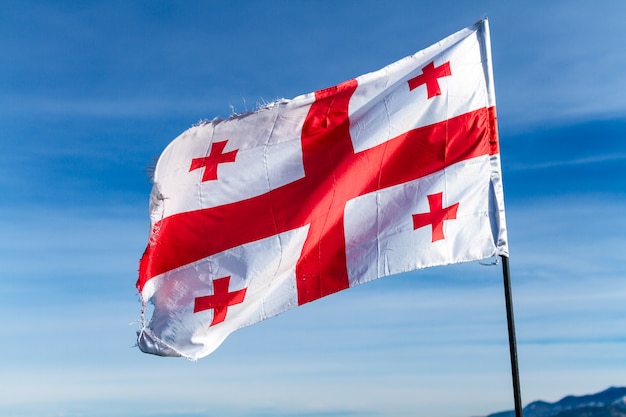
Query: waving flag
{"points": [[393, 171]]}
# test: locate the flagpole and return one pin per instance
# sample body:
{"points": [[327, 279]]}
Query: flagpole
{"points": [[517, 396]]}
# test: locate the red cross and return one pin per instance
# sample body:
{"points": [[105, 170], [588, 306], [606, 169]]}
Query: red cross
{"points": [[436, 216], [334, 174], [220, 300], [430, 76], [209, 163]]}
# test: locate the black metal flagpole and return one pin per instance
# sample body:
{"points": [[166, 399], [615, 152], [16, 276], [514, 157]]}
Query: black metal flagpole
{"points": [[517, 396]]}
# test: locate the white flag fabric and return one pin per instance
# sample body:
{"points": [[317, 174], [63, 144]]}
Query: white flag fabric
{"points": [[389, 172]]}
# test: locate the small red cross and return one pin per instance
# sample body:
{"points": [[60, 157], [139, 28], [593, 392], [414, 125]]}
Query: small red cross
{"points": [[220, 300], [209, 163], [430, 76], [436, 216]]}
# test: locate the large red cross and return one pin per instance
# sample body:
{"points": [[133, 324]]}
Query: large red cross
{"points": [[334, 174], [436, 216], [430, 76], [209, 163], [220, 300]]}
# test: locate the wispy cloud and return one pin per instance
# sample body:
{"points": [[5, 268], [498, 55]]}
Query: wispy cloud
{"points": [[558, 62], [597, 159], [125, 107]]}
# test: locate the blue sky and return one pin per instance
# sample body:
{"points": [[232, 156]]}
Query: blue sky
{"points": [[91, 93]]}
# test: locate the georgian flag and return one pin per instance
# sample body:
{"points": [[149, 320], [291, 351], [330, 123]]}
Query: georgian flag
{"points": [[393, 171]]}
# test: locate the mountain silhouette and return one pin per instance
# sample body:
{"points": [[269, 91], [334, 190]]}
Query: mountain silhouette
{"points": [[608, 403]]}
